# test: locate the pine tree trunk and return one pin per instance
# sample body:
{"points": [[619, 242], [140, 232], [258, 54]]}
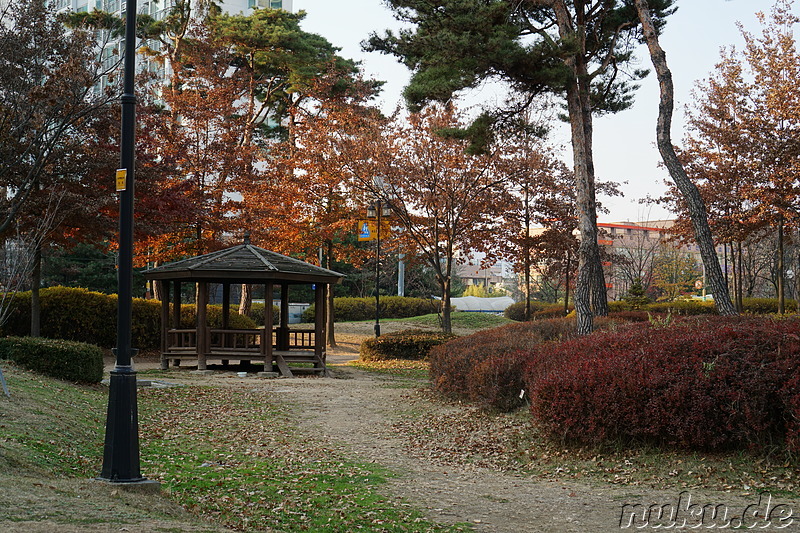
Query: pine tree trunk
{"points": [[690, 193], [588, 252], [599, 293], [246, 300], [36, 281]]}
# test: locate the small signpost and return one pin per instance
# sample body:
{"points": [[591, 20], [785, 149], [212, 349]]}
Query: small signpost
{"points": [[3, 381]]}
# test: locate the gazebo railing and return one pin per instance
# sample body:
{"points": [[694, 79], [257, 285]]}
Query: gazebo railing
{"points": [[182, 339], [301, 339], [246, 340], [240, 340]]}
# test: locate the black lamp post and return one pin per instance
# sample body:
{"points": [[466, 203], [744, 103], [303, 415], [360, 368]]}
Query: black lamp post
{"points": [[377, 211], [121, 450]]}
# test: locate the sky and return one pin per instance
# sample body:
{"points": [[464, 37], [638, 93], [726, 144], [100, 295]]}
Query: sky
{"points": [[624, 143]]}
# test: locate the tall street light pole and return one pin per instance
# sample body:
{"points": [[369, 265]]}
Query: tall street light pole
{"points": [[121, 450], [377, 211]]}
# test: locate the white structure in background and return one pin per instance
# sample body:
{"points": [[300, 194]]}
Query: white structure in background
{"points": [[481, 305], [158, 9]]}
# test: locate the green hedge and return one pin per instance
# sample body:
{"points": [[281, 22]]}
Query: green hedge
{"points": [[67, 360], [354, 309], [80, 315], [257, 314], [539, 310], [214, 318], [765, 306], [411, 344]]}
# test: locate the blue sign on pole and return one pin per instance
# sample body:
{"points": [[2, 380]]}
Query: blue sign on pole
{"points": [[365, 234]]}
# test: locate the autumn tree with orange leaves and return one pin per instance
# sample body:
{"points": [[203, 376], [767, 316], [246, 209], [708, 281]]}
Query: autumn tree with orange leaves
{"points": [[444, 201], [741, 148]]}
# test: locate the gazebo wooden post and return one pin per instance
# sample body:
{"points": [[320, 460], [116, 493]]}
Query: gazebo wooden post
{"points": [[163, 288], [266, 340], [226, 313], [202, 325], [176, 314], [283, 329], [226, 304], [319, 321]]}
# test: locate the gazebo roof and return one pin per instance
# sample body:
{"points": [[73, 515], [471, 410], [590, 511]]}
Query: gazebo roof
{"points": [[243, 263]]}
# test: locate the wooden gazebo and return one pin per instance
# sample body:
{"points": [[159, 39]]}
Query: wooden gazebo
{"points": [[278, 347]]}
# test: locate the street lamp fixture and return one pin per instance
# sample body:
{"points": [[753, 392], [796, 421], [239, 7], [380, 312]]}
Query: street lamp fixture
{"points": [[378, 210]]}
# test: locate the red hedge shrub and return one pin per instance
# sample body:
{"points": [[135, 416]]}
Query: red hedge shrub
{"points": [[488, 367], [701, 383]]}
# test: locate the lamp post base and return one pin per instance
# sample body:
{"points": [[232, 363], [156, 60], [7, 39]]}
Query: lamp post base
{"points": [[121, 451]]}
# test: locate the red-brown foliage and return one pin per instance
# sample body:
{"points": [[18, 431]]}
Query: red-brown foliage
{"points": [[488, 367], [701, 383]]}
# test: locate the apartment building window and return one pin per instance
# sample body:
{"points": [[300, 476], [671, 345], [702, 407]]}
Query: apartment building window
{"points": [[265, 4], [63, 4]]}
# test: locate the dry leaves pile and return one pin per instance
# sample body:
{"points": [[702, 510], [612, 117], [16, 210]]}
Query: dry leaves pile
{"points": [[234, 456], [453, 433]]}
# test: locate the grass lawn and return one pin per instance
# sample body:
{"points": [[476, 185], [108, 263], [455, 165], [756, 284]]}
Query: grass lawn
{"points": [[233, 457]]}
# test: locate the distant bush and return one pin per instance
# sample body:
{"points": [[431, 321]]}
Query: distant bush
{"points": [[412, 344], [214, 318], [257, 314], [682, 308], [704, 383], [551, 311], [80, 315], [67, 360], [755, 306], [353, 309], [764, 306], [516, 311]]}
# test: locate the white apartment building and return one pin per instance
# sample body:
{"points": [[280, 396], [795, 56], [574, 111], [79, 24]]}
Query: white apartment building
{"points": [[111, 49]]}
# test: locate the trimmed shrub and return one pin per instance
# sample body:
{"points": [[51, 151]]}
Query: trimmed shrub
{"points": [[349, 309], [489, 367], [516, 311], [67, 360], [764, 306], [257, 314], [498, 381], [80, 315], [703, 383], [84, 316], [551, 311], [682, 308], [214, 318], [412, 344], [457, 367]]}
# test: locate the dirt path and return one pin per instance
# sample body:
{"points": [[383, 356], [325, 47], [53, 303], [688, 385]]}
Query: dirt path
{"points": [[363, 415]]}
